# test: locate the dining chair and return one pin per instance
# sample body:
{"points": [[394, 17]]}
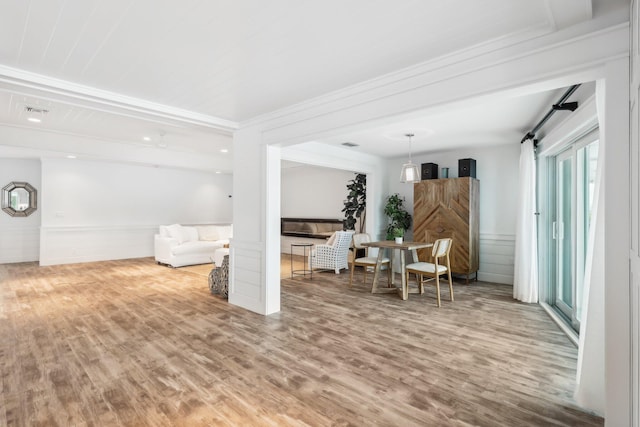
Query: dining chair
{"points": [[366, 261], [428, 271]]}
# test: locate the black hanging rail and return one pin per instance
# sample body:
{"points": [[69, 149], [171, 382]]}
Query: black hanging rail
{"points": [[561, 105]]}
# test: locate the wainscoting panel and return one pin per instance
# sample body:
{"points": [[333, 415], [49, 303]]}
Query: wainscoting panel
{"points": [[497, 253], [19, 244], [67, 245], [246, 278]]}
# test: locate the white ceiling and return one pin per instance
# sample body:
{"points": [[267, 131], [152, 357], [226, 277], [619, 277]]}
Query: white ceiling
{"points": [[502, 120], [192, 70]]}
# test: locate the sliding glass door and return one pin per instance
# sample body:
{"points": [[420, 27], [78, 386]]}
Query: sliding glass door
{"points": [[562, 233], [574, 184]]}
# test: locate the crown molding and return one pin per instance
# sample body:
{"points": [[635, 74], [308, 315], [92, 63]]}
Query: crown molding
{"points": [[38, 85]]}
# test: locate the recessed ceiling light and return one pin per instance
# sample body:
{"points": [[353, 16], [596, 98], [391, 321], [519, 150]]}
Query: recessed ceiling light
{"points": [[218, 172], [146, 138], [224, 150], [34, 119], [71, 156]]}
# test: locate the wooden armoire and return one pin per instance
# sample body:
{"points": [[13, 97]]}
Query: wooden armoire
{"points": [[449, 208]]}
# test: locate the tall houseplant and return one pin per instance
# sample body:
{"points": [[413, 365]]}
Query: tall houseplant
{"points": [[356, 203], [399, 218]]}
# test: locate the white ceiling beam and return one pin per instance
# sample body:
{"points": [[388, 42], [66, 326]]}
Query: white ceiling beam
{"points": [[37, 85]]}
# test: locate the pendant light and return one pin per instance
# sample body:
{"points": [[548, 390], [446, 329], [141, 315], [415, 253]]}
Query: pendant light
{"points": [[410, 171]]}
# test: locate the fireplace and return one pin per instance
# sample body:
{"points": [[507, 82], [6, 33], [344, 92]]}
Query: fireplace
{"points": [[319, 228]]}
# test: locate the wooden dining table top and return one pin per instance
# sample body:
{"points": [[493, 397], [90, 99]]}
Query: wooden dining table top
{"points": [[391, 244]]}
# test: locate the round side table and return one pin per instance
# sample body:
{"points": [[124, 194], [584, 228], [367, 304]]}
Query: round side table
{"points": [[303, 271]]}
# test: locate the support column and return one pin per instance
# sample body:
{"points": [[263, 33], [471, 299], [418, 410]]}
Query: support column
{"points": [[254, 281], [616, 232]]}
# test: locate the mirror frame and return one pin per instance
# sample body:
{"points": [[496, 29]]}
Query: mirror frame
{"points": [[33, 198]]}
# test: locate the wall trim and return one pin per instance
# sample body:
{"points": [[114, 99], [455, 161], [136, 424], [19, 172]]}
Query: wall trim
{"points": [[501, 279], [505, 237], [497, 255], [246, 278], [97, 227], [19, 243], [76, 244]]}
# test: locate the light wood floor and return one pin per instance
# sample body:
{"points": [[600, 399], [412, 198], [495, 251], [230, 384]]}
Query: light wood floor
{"points": [[133, 343]]}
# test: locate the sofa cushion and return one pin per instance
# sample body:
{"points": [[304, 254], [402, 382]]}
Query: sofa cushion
{"points": [[175, 231], [197, 247], [208, 232], [225, 232], [189, 234], [164, 231], [215, 232]]}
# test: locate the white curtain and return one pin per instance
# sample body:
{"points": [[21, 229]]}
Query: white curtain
{"points": [[590, 384], [525, 277]]}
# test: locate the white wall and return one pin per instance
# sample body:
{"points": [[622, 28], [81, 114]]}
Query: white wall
{"points": [[93, 210], [350, 161], [314, 192], [497, 169], [20, 236]]}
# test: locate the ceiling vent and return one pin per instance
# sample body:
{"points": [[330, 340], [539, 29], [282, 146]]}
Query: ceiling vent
{"points": [[349, 144], [35, 110]]}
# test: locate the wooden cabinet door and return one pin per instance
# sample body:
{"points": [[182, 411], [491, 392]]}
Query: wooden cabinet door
{"points": [[446, 208]]}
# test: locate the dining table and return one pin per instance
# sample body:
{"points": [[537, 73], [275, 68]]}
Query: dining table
{"points": [[392, 247]]}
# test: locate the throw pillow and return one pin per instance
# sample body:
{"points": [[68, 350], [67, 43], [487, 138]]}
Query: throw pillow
{"points": [[208, 233], [332, 239], [164, 232], [175, 232], [224, 232], [189, 234]]}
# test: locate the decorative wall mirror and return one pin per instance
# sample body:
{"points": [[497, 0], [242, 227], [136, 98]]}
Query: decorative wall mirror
{"points": [[19, 199]]}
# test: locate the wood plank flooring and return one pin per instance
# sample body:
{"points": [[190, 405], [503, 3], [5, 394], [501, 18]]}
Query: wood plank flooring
{"points": [[131, 343]]}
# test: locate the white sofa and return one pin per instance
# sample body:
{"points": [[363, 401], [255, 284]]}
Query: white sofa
{"points": [[179, 245]]}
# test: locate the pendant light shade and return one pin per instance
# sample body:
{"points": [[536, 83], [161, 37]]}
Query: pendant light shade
{"points": [[410, 172]]}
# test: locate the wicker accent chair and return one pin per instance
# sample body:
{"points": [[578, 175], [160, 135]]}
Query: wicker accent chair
{"points": [[427, 271], [334, 255]]}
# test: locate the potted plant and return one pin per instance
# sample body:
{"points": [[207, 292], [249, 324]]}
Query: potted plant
{"points": [[355, 208], [398, 234], [356, 203], [399, 218]]}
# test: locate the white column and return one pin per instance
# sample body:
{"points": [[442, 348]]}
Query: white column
{"points": [[616, 202], [254, 281], [272, 231]]}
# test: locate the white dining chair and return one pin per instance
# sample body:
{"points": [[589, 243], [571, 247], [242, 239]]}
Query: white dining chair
{"points": [[428, 271]]}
